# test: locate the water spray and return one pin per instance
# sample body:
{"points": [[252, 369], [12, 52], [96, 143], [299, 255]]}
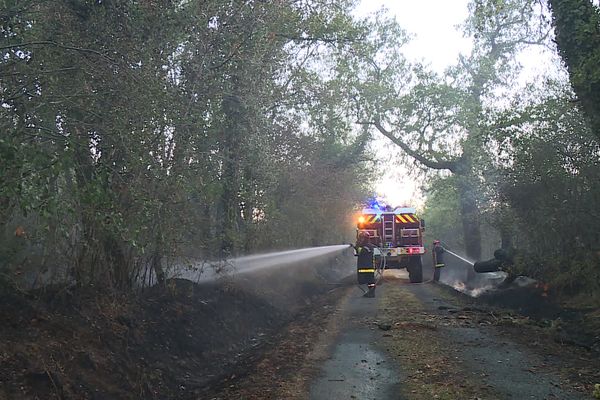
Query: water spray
{"points": [[269, 260], [484, 284], [459, 257], [246, 264]]}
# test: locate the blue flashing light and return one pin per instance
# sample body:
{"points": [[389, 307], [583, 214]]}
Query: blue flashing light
{"points": [[375, 205]]}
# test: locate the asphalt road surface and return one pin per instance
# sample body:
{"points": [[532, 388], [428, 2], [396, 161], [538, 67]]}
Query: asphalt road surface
{"points": [[420, 342]]}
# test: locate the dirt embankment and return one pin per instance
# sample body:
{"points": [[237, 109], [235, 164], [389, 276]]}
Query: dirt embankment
{"points": [[173, 342]]}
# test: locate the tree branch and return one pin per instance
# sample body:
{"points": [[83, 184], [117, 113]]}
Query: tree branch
{"points": [[449, 165], [62, 46], [51, 71], [314, 39]]}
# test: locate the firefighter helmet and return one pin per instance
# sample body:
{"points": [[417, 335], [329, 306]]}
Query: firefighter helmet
{"points": [[363, 238]]}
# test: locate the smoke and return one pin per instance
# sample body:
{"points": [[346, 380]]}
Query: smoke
{"points": [[286, 280], [458, 274], [203, 271], [473, 292], [281, 258]]}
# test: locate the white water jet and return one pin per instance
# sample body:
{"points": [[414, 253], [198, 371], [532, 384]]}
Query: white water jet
{"points": [[484, 283], [206, 271], [460, 257]]}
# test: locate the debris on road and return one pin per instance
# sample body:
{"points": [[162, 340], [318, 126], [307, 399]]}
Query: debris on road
{"points": [[384, 326]]}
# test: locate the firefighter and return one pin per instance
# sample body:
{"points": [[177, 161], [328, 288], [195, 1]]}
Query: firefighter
{"points": [[364, 263], [363, 241], [438, 259], [363, 245]]}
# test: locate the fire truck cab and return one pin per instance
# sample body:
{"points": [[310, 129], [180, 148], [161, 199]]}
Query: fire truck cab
{"points": [[396, 236]]}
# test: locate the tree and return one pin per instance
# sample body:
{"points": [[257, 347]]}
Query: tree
{"points": [[577, 25], [442, 122], [138, 132], [549, 182]]}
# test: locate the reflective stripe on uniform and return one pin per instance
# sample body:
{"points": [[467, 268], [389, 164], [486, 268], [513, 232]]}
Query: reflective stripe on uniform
{"points": [[365, 270], [440, 265]]}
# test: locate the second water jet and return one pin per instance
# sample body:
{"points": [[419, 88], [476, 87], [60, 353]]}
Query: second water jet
{"points": [[206, 271]]}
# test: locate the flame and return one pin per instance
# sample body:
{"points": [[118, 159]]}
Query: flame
{"points": [[20, 232], [545, 288]]}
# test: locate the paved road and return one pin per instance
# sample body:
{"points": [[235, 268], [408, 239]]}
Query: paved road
{"points": [[436, 348], [358, 367]]}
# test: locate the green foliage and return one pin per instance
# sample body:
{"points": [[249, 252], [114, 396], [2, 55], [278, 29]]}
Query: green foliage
{"points": [[547, 182], [442, 215], [445, 221], [577, 25], [442, 122], [135, 131]]}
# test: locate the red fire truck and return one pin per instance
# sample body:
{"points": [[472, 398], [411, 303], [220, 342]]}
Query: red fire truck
{"points": [[395, 237]]}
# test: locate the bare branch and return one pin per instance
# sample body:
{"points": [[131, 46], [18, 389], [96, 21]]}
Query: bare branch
{"points": [[450, 165], [62, 46], [46, 72], [344, 39]]}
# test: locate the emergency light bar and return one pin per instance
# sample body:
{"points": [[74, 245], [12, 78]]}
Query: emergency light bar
{"points": [[405, 210], [398, 210], [369, 218]]}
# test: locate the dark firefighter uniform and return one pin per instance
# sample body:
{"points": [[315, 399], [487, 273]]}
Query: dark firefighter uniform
{"points": [[364, 263], [364, 260], [438, 259]]}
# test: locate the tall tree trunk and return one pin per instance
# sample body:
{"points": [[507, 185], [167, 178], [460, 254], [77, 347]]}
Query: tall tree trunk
{"points": [[470, 216], [84, 173], [119, 266], [506, 237], [156, 265], [232, 139]]}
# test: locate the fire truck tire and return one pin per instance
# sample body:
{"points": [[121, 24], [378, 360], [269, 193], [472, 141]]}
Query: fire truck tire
{"points": [[415, 270]]}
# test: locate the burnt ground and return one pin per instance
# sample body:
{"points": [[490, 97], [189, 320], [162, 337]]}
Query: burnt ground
{"points": [[79, 345], [177, 342], [295, 334], [572, 320], [574, 326]]}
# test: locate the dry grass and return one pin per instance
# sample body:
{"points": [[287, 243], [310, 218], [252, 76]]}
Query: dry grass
{"points": [[420, 350]]}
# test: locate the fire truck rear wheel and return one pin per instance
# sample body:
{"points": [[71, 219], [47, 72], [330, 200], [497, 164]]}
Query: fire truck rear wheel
{"points": [[415, 270]]}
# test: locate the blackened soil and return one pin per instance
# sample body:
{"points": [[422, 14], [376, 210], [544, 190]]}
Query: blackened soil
{"points": [[573, 326], [531, 301], [169, 342]]}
